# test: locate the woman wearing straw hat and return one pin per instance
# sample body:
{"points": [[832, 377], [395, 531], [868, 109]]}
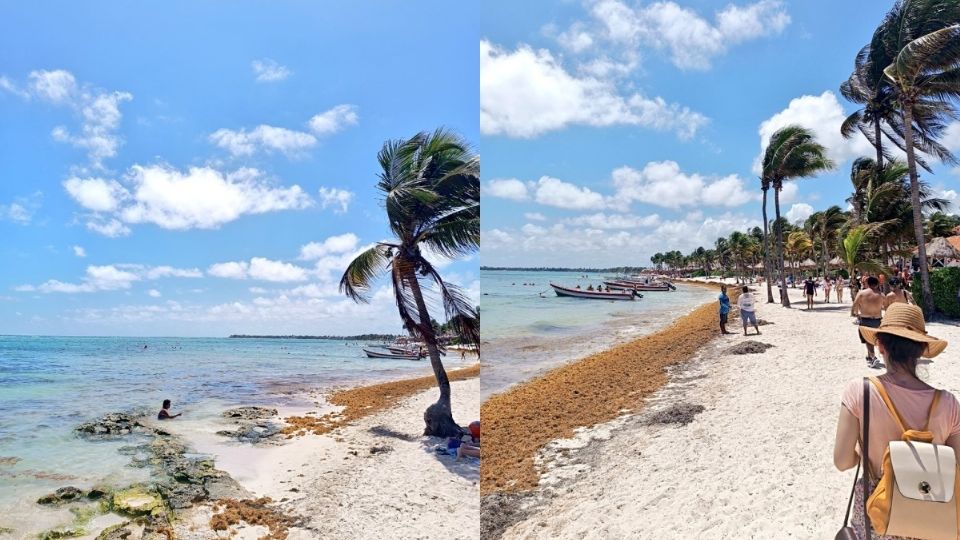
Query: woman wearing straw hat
{"points": [[902, 340]]}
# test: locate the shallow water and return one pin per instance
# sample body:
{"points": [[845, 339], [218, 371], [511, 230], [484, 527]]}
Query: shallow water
{"points": [[527, 329], [48, 385]]}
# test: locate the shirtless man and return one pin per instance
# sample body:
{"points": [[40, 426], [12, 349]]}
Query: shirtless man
{"points": [[896, 294], [868, 306]]}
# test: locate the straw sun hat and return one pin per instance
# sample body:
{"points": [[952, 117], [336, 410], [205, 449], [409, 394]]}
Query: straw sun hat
{"points": [[906, 321]]}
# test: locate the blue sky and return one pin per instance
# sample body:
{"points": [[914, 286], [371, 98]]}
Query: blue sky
{"points": [[615, 129], [208, 168]]}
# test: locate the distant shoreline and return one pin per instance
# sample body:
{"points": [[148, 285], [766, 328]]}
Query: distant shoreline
{"points": [[360, 337], [619, 269]]}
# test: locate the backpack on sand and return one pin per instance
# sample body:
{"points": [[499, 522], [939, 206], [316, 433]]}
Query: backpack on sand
{"points": [[917, 494]]}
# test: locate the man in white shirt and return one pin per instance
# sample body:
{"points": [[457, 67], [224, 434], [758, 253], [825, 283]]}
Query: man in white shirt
{"points": [[747, 305]]}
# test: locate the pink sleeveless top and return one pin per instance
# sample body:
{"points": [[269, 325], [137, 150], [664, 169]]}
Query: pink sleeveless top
{"points": [[913, 406]]}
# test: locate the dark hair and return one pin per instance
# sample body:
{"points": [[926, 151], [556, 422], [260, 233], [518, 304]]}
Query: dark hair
{"points": [[872, 281], [746, 289], [901, 351], [894, 282], [166, 404]]}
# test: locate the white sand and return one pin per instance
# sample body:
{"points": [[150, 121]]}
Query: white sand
{"points": [[341, 490], [758, 463]]}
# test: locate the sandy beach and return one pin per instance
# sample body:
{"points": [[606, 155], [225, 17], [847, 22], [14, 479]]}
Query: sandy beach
{"points": [[756, 462], [331, 485]]}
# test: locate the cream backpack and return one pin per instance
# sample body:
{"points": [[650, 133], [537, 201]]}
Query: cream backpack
{"points": [[916, 495]]}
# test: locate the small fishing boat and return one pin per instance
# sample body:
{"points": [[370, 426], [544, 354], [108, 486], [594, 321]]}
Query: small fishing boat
{"points": [[637, 286], [391, 355], [596, 295]]}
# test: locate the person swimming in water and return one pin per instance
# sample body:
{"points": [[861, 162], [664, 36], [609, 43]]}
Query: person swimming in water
{"points": [[164, 413]]}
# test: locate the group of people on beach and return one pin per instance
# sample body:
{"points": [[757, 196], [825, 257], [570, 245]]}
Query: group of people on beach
{"points": [[879, 413]]}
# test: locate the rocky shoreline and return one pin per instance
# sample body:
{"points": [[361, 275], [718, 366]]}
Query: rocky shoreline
{"points": [[178, 481]]}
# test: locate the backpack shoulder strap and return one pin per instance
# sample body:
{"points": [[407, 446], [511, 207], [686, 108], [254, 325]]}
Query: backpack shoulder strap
{"points": [[933, 405], [886, 400]]}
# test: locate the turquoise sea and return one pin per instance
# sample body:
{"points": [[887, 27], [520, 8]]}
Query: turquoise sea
{"points": [[527, 329], [48, 385]]}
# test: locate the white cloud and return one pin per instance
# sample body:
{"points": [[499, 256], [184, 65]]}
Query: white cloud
{"points": [[334, 120], [110, 277], [821, 114], [951, 136], [22, 209], [575, 39], [789, 193], [663, 183], [565, 245], [95, 194], [98, 111], [257, 290], [799, 212], [199, 198], [601, 220], [153, 293], [79, 251], [267, 70], [507, 188], [527, 92], [556, 192], [332, 245], [109, 227], [231, 270], [259, 268], [338, 198], [57, 86], [534, 216], [263, 138], [691, 40]]}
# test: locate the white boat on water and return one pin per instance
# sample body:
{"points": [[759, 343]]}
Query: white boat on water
{"points": [[595, 295], [391, 355]]}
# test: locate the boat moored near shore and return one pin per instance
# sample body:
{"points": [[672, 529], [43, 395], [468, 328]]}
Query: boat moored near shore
{"points": [[596, 295]]}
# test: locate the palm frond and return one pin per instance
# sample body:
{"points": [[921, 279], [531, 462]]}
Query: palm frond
{"points": [[362, 270]]}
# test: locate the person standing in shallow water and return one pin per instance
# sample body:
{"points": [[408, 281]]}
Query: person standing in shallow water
{"points": [[724, 309], [164, 413]]}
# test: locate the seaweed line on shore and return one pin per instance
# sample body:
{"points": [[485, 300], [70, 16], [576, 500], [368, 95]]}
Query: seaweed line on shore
{"points": [[601, 387], [364, 401]]}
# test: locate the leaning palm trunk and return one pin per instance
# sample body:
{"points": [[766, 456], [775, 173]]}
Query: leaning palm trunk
{"points": [[915, 203], [784, 295], [439, 416], [768, 275]]}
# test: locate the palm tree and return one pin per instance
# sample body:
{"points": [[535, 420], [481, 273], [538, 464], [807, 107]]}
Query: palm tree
{"points": [[431, 189], [940, 224], [854, 255], [792, 152], [767, 274], [825, 227], [925, 75]]}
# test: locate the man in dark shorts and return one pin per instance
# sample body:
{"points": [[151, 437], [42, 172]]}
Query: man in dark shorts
{"points": [[809, 288], [868, 306]]}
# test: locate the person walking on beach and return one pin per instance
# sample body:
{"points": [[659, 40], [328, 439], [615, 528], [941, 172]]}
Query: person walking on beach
{"points": [[164, 413], [868, 307], [826, 289], [896, 294], [840, 285], [747, 305], [809, 289], [913, 404], [724, 309]]}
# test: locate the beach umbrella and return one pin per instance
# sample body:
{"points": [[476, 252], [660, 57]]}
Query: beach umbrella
{"points": [[808, 264], [836, 261]]}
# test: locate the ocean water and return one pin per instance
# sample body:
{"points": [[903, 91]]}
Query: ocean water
{"points": [[527, 329], [48, 385]]}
